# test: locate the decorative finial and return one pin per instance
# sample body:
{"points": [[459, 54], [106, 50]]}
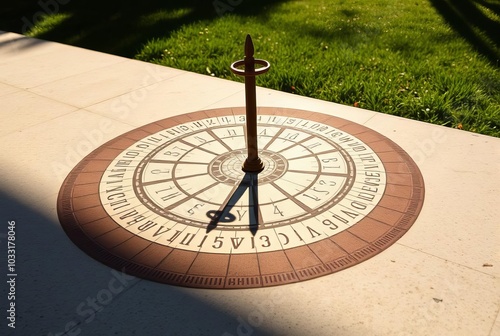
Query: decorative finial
{"points": [[249, 49]]}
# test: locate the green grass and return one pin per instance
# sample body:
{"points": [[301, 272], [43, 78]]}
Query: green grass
{"points": [[430, 60]]}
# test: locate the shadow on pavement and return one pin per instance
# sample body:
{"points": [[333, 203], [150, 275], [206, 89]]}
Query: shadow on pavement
{"points": [[59, 290]]}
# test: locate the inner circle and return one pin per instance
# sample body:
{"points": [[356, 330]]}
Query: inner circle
{"points": [[226, 168]]}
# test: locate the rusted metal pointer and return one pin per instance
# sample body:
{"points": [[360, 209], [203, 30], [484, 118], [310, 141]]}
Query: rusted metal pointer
{"points": [[252, 164]]}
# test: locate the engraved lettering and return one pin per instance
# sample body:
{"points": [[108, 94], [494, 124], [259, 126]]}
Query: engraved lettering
{"points": [[115, 189], [367, 188], [132, 154], [187, 239], [291, 136], [170, 196], [200, 139], [137, 219], [300, 238], [203, 241], [341, 219], [146, 226], [278, 211], [316, 198], [287, 240], [115, 196], [160, 171], [350, 214], [266, 241], [129, 214], [218, 241], [240, 214], [358, 205], [198, 124], [329, 183], [192, 210], [118, 176], [175, 236], [313, 232], [314, 145], [332, 225], [119, 204], [320, 191], [159, 232], [366, 196], [237, 241], [367, 157], [123, 163], [154, 139]]}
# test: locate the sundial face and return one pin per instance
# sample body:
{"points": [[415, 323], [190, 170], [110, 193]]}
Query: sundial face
{"points": [[169, 201]]}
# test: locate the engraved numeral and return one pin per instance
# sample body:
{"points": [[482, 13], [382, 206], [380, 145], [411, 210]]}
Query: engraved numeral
{"points": [[320, 191], [331, 224], [316, 198], [170, 196], [327, 183], [314, 145], [198, 124], [241, 214], [159, 171], [200, 139], [278, 211], [192, 210], [291, 136], [330, 160]]}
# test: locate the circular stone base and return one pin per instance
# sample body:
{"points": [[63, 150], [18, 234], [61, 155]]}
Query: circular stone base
{"points": [[169, 202]]}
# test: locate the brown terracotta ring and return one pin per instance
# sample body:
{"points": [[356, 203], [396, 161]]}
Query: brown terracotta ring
{"points": [[88, 224]]}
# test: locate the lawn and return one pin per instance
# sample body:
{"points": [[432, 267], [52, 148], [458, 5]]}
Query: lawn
{"points": [[430, 60]]}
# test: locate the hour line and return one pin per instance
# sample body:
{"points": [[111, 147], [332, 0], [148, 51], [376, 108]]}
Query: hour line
{"points": [[314, 154], [297, 143], [219, 139], [276, 136], [224, 204], [177, 162], [318, 173], [176, 204], [145, 184], [293, 199], [293, 182], [200, 148]]}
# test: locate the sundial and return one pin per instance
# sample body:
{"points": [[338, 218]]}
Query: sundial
{"points": [[241, 197]]}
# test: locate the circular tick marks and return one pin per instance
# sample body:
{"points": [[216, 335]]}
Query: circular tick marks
{"points": [[170, 203]]}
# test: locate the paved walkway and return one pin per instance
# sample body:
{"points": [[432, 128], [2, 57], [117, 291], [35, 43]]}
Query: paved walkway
{"points": [[58, 103]]}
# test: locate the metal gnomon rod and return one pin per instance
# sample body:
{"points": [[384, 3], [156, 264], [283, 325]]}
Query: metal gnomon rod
{"points": [[252, 164]]}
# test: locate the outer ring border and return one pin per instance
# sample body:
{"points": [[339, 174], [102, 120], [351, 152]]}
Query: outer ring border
{"points": [[80, 211]]}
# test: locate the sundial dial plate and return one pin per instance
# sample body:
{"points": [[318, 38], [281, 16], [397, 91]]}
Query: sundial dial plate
{"points": [[169, 202]]}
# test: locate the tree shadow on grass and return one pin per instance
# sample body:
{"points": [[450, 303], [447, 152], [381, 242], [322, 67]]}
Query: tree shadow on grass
{"points": [[466, 18], [120, 27]]}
